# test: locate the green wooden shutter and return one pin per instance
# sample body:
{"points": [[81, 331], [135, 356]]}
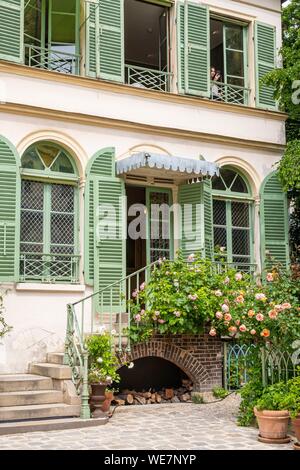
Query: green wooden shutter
{"points": [[9, 212], [274, 221], [194, 54], [12, 30], [92, 39], [111, 40], [190, 200], [102, 185], [265, 52], [110, 264], [208, 219]]}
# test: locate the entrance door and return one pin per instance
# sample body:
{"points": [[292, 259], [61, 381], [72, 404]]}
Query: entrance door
{"points": [[160, 224]]}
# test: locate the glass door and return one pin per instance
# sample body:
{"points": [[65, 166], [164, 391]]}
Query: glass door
{"points": [[159, 224], [235, 63]]}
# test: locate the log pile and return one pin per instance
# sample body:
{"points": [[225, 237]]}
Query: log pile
{"points": [[182, 394]]}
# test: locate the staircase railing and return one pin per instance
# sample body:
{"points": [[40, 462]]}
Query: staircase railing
{"points": [[79, 325]]}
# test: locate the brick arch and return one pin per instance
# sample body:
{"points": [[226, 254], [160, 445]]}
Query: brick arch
{"points": [[178, 356]]}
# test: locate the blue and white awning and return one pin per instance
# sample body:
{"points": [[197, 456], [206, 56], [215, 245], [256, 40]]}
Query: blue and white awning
{"points": [[187, 167]]}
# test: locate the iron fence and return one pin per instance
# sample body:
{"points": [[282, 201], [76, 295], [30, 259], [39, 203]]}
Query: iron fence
{"points": [[141, 77], [49, 268]]}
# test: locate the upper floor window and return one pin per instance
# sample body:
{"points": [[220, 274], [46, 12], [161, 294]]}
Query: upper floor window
{"points": [[51, 34], [49, 215], [228, 59]]}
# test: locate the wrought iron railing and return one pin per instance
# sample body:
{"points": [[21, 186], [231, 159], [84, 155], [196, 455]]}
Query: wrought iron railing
{"points": [[229, 93], [244, 267], [110, 307], [141, 77], [49, 268], [51, 59]]}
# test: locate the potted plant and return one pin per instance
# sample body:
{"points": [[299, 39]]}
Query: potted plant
{"points": [[292, 402], [272, 415], [103, 365]]}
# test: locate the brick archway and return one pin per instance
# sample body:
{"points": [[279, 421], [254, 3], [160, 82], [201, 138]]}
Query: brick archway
{"points": [[182, 358]]}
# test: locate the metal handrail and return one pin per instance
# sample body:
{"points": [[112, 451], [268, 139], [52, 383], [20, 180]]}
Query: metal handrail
{"points": [[51, 59], [148, 78], [228, 93]]}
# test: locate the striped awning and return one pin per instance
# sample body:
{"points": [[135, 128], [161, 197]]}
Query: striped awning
{"points": [[183, 166]]}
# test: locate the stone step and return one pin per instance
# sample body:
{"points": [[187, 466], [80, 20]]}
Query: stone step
{"points": [[37, 397], [18, 413], [55, 371], [49, 425], [23, 382], [55, 358]]}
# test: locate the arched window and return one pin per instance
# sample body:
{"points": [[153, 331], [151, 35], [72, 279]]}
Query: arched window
{"points": [[49, 215], [233, 216]]}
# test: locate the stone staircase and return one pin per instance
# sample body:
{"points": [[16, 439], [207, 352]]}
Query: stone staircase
{"points": [[45, 392]]}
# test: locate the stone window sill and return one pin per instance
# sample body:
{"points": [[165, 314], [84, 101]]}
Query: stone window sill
{"points": [[38, 287]]}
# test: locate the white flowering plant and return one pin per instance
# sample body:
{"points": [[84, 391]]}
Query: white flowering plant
{"points": [[103, 362]]}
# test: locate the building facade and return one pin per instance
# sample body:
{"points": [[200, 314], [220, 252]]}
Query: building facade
{"points": [[102, 100]]}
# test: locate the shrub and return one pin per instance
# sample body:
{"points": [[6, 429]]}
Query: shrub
{"points": [[4, 327], [219, 392], [103, 362], [197, 398], [272, 397]]}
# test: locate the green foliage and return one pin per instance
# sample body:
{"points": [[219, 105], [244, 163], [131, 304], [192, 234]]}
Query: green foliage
{"points": [[272, 398], [197, 398], [291, 400], [103, 362], [282, 79], [251, 391], [4, 327], [219, 392], [289, 168]]}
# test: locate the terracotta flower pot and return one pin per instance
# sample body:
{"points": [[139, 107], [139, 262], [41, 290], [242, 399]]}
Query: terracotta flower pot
{"points": [[108, 399], [296, 426], [273, 426], [97, 398]]}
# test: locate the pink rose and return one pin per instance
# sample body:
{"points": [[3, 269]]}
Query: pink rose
{"points": [[218, 293], [238, 322], [240, 299], [286, 305], [191, 257], [219, 315], [157, 313], [232, 329], [135, 293], [259, 317], [253, 332], [143, 312], [226, 280], [225, 308], [243, 328], [137, 318], [260, 296], [227, 317], [238, 277], [161, 321], [193, 297], [177, 314], [213, 332], [142, 286], [270, 277], [273, 314]]}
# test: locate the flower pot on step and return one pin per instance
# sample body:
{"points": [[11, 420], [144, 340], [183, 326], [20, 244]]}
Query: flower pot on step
{"points": [[97, 399], [109, 396], [296, 427], [273, 426]]}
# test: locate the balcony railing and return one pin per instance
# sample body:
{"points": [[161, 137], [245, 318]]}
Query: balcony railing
{"points": [[51, 59], [141, 77], [229, 93], [46, 268]]}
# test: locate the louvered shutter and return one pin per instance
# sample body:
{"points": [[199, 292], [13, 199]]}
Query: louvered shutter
{"points": [[105, 261], [110, 265], [274, 221], [265, 51], [12, 30], [92, 39], [208, 219], [190, 200], [194, 54], [181, 47], [9, 212], [101, 164]]}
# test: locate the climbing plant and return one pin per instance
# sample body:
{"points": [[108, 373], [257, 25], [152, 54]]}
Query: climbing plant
{"points": [[4, 327]]}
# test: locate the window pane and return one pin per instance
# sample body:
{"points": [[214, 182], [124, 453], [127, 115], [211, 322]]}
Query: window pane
{"points": [[66, 6], [48, 152], [239, 186], [62, 198], [219, 212], [32, 161], [235, 63], [220, 237], [240, 214], [218, 184], [62, 229], [240, 242], [63, 29], [32, 22], [32, 195], [234, 37], [62, 165], [236, 81]]}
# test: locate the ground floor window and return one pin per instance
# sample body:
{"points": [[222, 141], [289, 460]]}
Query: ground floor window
{"points": [[49, 219], [233, 218]]}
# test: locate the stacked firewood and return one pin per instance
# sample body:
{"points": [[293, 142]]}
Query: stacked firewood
{"points": [[150, 397]]}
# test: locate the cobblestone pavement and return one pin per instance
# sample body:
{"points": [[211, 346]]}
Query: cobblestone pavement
{"points": [[154, 427]]}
